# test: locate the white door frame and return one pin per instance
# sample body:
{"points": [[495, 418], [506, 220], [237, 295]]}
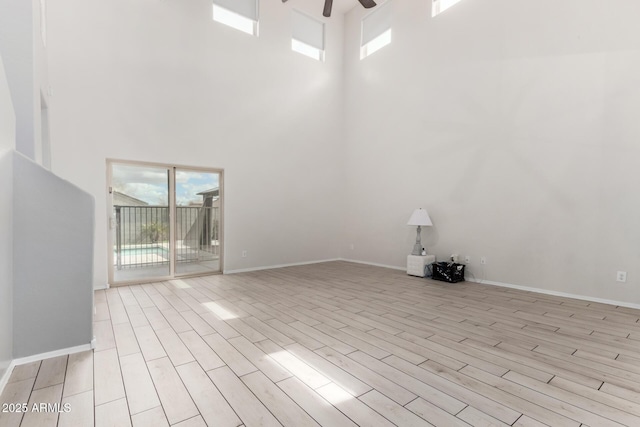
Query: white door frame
{"points": [[172, 218]]}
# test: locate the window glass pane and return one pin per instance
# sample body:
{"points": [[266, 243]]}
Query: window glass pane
{"points": [[376, 23], [246, 8], [440, 6], [306, 50], [376, 44], [307, 30], [233, 20]]}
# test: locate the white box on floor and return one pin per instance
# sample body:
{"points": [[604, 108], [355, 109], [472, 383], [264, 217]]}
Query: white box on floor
{"points": [[416, 264]]}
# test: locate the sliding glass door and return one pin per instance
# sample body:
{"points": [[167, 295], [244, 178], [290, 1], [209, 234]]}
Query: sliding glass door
{"points": [[165, 221], [140, 222], [197, 221]]}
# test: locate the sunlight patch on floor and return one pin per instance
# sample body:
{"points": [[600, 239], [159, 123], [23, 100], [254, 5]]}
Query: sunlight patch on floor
{"points": [[297, 367], [219, 310], [179, 284], [334, 394]]}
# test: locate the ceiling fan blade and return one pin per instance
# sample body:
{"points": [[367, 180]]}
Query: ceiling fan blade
{"points": [[327, 8], [367, 3]]}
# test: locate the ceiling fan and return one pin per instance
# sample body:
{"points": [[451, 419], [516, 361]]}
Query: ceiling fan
{"points": [[329, 3]]}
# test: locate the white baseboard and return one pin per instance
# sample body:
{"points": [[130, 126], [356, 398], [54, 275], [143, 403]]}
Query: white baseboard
{"points": [[270, 267], [4, 379], [23, 360], [522, 288], [486, 282], [556, 293], [375, 264], [50, 354]]}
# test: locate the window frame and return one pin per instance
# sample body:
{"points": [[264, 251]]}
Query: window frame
{"points": [[235, 20], [300, 46], [383, 38]]}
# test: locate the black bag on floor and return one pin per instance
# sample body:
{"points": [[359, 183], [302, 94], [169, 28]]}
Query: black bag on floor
{"points": [[448, 272]]}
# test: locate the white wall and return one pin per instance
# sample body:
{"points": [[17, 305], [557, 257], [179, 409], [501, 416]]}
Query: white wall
{"points": [[161, 82], [16, 47], [26, 68], [7, 144], [41, 148], [46, 269], [52, 261], [515, 125]]}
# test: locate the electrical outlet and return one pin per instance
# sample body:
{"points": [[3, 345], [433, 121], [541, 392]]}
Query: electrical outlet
{"points": [[244, 254], [621, 276], [352, 246], [483, 260], [467, 259]]}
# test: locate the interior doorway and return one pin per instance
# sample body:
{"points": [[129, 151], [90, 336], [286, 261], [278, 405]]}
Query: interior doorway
{"points": [[165, 221]]}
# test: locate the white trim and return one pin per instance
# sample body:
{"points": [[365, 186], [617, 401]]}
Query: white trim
{"points": [[55, 353], [269, 267], [4, 380], [171, 170], [375, 264], [522, 288], [485, 282], [556, 293], [36, 357]]}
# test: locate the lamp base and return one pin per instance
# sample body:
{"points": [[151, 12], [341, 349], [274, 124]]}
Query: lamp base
{"points": [[417, 249]]}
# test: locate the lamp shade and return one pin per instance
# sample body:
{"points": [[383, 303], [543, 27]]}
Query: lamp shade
{"points": [[420, 217]]}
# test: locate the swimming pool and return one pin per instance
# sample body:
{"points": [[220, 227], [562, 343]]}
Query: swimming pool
{"points": [[145, 250]]}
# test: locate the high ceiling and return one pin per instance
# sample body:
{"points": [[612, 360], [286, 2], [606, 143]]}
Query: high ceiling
{"points": [[342, 6]]}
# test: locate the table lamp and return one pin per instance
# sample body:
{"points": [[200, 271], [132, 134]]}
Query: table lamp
{"points": [[419, 217]]}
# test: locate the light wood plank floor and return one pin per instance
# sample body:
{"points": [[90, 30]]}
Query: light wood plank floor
{"points": [[339, 344]]}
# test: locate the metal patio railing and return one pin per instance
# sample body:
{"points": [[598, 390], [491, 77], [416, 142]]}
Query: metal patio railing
{"points": [[142, 235]]}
